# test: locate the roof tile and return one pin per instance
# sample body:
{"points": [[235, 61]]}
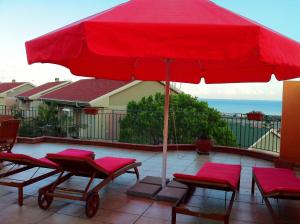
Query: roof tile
{"points": [[84, 90], [40, 88], [5, 86]]}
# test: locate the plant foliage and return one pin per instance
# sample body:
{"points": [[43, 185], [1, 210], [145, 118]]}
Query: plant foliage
{"points": [[189, 119], [48, 120]]}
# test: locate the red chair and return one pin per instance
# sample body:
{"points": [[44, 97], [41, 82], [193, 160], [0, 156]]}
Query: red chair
{"points": [[8, 134], [276, 183], [106, 168], [18, 163], [217, 176], [5, 117]]}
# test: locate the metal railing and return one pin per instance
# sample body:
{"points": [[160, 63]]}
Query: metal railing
{"points": [[106, 125], [256, 134]]}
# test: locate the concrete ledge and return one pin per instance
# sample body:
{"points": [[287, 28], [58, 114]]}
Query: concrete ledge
{"points": [[246, 152]]}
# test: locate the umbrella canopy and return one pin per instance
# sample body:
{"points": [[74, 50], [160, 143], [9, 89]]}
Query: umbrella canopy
{"points": [[202, 39], [169, 40]]}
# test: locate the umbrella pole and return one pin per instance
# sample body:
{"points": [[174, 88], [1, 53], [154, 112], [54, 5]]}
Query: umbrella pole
{"points": [[166, 122]]}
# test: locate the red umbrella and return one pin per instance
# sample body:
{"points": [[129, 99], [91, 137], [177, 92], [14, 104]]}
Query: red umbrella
{"points": [[170, 40]]}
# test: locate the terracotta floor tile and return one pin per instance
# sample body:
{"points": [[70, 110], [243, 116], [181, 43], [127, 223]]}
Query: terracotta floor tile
{"points": [[159, 210], [66, 219], [127, 204], [26, 215], [147, 220], [73, 210], [56, 205], [243, 215], [114, 217]]}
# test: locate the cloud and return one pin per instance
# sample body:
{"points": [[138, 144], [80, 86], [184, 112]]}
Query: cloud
{"points": [[259, 91]]}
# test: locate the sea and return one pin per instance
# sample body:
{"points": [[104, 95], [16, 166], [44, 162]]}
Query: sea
{"points": [[268, 107]]}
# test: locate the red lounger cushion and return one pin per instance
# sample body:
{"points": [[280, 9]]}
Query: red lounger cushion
{"points": [[277, 180], [43, 162], [112, 164], [215, 173], [27, 160], [77, 153]]}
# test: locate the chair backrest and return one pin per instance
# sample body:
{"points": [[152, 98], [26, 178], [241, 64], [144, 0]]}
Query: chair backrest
{"points": [[76, 164], [8, 133], [5, 117], [25, 160]]}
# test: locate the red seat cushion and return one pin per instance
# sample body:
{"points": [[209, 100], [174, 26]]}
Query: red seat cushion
{"points": [[27, 160], [44, 162], [277, 180], [77, 153], [48, 162], [215, 173], [112, 164]]}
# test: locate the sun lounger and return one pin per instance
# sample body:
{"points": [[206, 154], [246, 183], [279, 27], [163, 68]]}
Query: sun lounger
{"points": [[8, 134], [106, 168], [18, 163], [276, 183], [215, 176], [5, 118]]}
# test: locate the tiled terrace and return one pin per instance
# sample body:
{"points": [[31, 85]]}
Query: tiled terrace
{"points": [[117, 207]]}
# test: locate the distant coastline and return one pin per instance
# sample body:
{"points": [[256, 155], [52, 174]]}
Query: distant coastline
{"points": [[269, 107]]}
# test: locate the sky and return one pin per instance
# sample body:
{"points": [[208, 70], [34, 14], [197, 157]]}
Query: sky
{"points": [[22, 20]]}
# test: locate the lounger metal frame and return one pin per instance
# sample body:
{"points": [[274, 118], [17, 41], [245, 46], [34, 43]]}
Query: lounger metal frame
{"points": [[278, 195], [20, 184], [89, 195], [209, 185]]}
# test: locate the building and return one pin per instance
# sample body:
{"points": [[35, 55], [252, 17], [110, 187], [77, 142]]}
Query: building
{"points": [[9, 91], [270, 142], [108, 98], [102, 93], [31, 98]]}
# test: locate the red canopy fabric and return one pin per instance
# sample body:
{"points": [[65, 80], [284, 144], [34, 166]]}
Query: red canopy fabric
{"points": [[203, 40]]}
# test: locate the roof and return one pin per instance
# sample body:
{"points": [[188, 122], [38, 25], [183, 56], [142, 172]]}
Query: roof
{"points": [[40, 89], [84, 91], [6, 86]]}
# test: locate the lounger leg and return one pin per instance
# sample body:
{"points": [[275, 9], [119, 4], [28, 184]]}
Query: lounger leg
{"points": [[225, 199], [60, 179], [252, 185], [191, 190], [238, 189], [227, 215], [89, 184], [275, 217], [137, 173], [20, 195], [226, 221], [173, 220]]}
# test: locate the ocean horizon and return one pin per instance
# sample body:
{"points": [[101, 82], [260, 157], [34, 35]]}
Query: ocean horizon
{"points": [[268, 107]]}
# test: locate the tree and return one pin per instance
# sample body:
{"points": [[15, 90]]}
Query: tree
{"points": [[188, 118]]}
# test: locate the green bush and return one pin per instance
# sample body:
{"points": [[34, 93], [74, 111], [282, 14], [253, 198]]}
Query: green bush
{"points": [[188, 119], [48, 121]]}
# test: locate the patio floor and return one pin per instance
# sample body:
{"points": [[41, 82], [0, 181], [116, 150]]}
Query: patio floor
{"points": [[118, 208]]}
